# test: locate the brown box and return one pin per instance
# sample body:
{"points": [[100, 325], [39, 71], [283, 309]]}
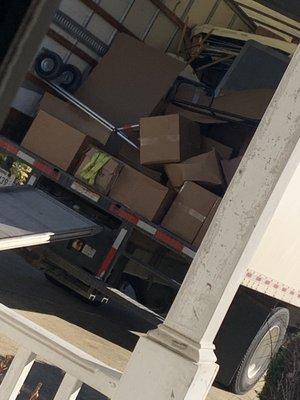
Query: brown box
{"points": [[229, 168], [225, 152], [200, 235], [105, 177], [131, 156], [204, 169], [189, 211], [74, 117], [140, 194], [168, 138], [53, 140], [129, 81]]}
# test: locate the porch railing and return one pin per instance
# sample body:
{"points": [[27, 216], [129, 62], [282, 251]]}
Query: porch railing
{"points": [[34, 341]]}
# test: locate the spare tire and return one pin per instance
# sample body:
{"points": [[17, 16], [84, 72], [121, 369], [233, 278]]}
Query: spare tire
{"points": [[48, 65]]}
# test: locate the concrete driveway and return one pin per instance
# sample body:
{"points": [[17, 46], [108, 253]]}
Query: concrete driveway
{"points": [[107, 332]]}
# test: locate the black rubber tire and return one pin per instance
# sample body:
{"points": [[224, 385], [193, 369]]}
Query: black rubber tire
{"points": [[242, 383], [75, 78], [55, 71]]}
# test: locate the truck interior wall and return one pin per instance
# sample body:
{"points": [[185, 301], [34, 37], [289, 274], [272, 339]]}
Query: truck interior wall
{"points": [[143, 19]]}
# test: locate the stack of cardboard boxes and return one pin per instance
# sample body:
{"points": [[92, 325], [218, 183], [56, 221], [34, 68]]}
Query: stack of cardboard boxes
{"points": [[175, 178]]}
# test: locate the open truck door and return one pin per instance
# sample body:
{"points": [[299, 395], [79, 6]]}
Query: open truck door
{"points": [[30, 217]]}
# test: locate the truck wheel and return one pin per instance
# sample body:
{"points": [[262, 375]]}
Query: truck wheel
{"points": [[48, 65], [262, 349], [70, 78]]}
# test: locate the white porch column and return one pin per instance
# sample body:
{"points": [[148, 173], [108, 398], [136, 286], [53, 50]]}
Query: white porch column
{"points": [[176, 361]]}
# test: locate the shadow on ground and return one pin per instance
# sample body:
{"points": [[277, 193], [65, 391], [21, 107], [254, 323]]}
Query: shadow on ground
{"points": [[24, 288]]}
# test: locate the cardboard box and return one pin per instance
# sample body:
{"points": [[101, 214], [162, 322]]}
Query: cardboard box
{"points": [[105, 177], [129, 81], [208, 144], [202, 232], [189, 210], [168, 138], [140, 194], [53, 140], [229, 168], [204, 169], [74, 117], [131, 156]]}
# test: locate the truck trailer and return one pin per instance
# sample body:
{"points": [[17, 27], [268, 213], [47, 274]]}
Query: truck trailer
{"points": [[133, 260]]}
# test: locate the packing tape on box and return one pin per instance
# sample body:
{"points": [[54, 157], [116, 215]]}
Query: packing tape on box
{"points": [[151, 141], [192, 212], [200, 217]]}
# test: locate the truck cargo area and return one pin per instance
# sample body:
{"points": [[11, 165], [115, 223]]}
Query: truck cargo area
{"points": [[121, 143]]}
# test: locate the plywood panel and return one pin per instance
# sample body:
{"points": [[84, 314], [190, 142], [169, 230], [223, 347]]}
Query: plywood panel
{"points": [[139, 17], [222, 16], [76, 10], [161, 32], [100, 28], [178, 7], [116, 8], [200, 11]]}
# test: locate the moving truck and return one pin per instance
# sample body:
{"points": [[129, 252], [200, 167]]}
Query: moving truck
{"points": [[132, 259]]}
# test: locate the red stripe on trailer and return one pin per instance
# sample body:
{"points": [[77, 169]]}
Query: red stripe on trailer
{"points": [[164, 237], [127, 216], [45, 169], [106, 262], [112, 253], [8, 146]]}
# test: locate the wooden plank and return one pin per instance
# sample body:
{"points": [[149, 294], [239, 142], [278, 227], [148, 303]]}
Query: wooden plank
{"points": [[70, 46], [253, 5], [107, 17], [271, 32], [272, 23], [289, 48], [170, 15]]}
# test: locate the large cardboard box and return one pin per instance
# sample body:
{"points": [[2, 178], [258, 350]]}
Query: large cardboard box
{"points": [[74, 117], [53, 140], [140, 194], [204, 169], [189, 211], [208, 144], [168, 138], [202, 232], [129, 81], [105, 177]]}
